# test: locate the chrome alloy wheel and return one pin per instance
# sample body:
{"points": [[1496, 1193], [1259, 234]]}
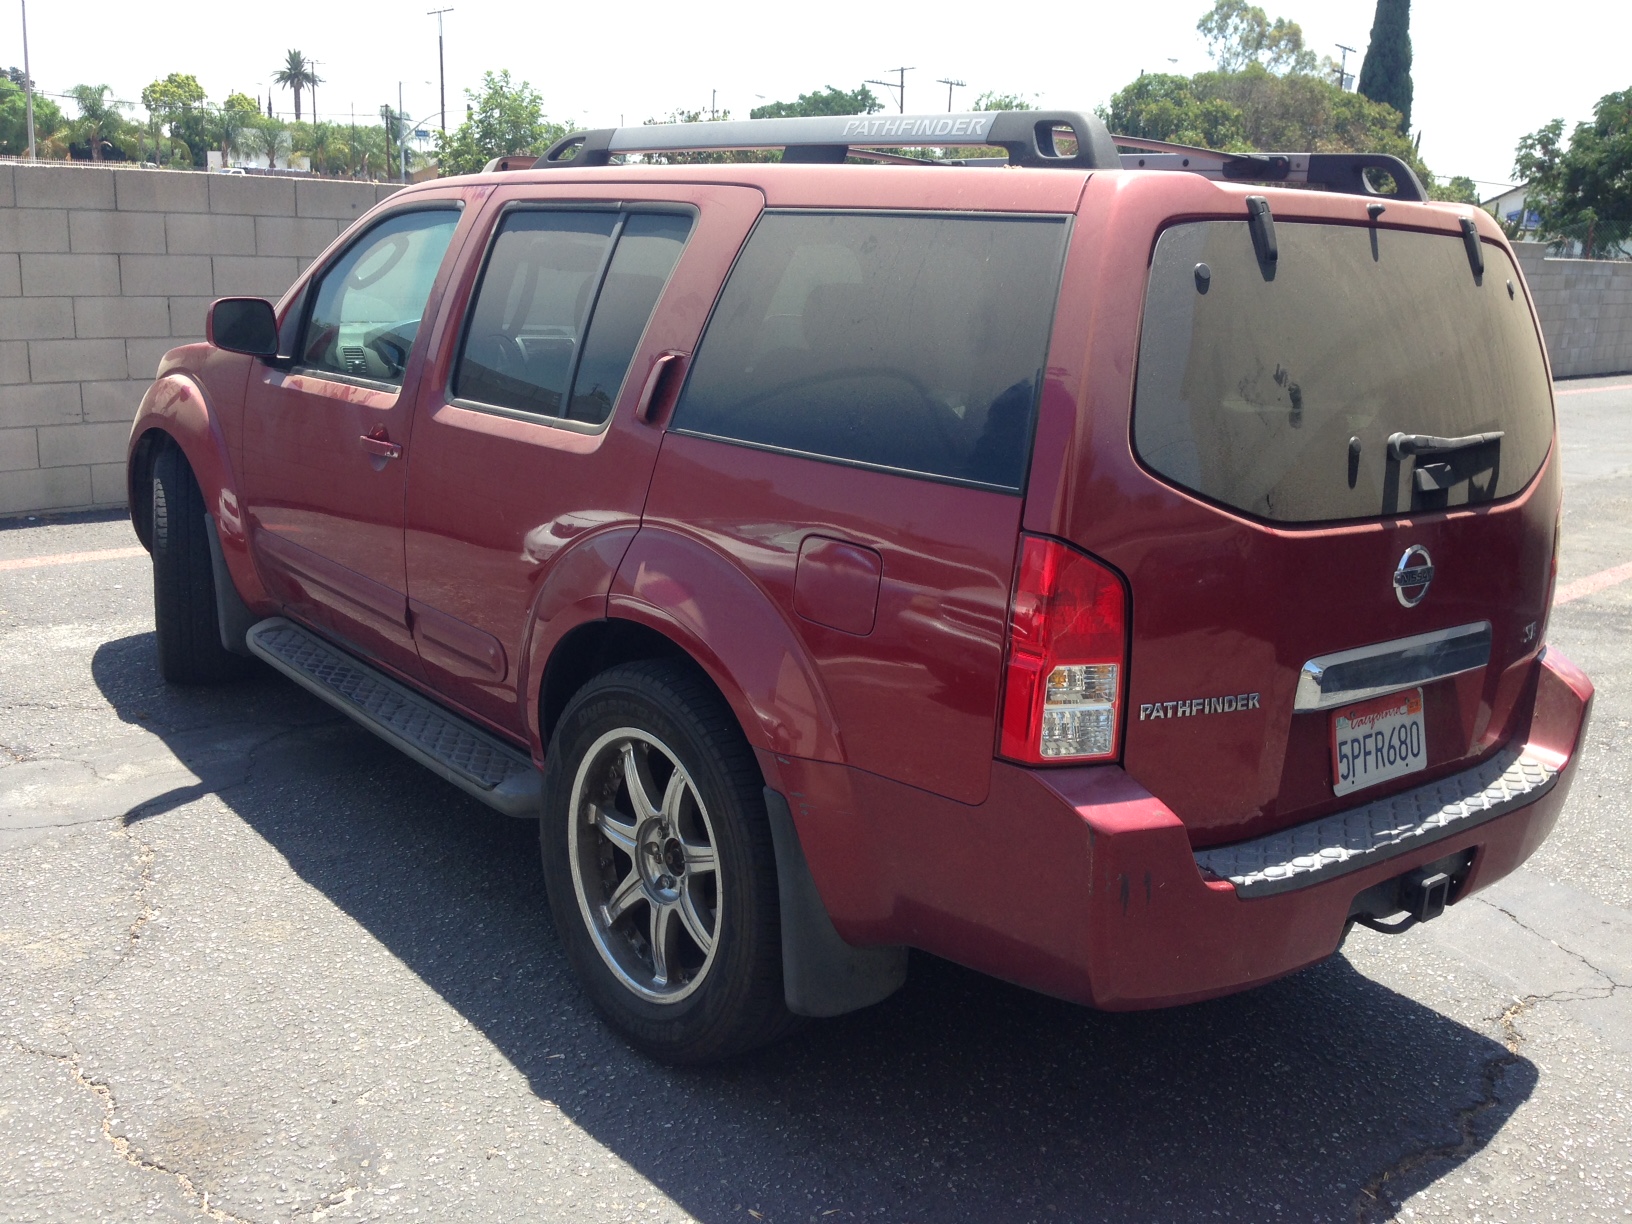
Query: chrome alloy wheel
{"points": [[644, 867]]}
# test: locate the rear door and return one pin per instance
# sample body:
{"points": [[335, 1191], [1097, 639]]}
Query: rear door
{"points": [[855, 433], [525, 445], [1336, 500]]}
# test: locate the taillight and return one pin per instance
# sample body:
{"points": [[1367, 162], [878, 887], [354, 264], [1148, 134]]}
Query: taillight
{"points": [[1067, 657]]}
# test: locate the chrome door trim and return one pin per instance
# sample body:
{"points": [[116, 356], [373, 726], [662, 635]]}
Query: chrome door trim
{"points": [[1369, 671]]}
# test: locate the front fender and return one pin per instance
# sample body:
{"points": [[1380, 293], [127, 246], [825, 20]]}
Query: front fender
{"points": [[198, 388], [706, 603]]}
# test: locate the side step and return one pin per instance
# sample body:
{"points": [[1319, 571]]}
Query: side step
{"points": [[444, 743]]}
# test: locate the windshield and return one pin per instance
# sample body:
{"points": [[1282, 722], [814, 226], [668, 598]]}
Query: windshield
{"points": [[1275, 389]]}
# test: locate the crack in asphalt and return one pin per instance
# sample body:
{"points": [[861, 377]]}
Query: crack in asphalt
{"points": [[145, 913], [1371, 1206], [104, 1095]]}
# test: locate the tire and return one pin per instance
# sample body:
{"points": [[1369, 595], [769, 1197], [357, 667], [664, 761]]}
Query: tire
{"points": [[691, 870], [189, 637]]}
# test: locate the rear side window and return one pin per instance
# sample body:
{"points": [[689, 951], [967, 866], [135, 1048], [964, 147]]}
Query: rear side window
{"points": [[1276, 392], [908, 342], [368, 304], [561, 308]]}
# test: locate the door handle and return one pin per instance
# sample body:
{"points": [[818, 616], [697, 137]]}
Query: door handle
{"points": [[382, 446], [662, 384]]}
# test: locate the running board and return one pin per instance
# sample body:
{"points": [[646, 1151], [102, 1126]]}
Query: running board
{"points": [[474, 761]]}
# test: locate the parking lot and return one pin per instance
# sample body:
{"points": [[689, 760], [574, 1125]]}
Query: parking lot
{"points": [[255, 965]]}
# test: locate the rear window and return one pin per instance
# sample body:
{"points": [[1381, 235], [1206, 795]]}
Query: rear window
{"points": [[1275, 389], [909, 342]]}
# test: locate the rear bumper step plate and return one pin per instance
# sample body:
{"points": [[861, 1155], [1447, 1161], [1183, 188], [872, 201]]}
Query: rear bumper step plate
{"points": [[1335, 845], [476, 762]]}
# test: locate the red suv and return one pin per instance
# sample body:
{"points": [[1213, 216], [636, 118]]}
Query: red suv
{"points": [[1117, 572]]}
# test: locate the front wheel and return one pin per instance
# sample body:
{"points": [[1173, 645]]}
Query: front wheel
{"points": [[659, 865], [184, 616]]}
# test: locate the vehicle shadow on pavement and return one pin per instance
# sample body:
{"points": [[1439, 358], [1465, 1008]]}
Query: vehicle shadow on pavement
{"points": [[961, 1098]]}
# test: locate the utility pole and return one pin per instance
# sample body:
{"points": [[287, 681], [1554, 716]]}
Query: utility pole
{"points": [[1343, 68], [315, 83], [402, 136], [899, 85], [950, 86], [441, 72], [28, 84], [713, 104]]}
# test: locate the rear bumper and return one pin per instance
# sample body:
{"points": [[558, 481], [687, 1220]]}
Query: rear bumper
{"points": [[1081, 884]]}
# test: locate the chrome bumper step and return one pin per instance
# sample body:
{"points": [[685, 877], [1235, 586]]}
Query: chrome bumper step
{"points": [[1348, 841], [500, 776]]}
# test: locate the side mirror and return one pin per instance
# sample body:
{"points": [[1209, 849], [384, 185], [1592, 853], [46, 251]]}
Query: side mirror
{"points": [[243, 325]]}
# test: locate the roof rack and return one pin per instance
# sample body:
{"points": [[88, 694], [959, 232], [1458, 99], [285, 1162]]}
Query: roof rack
{"points": [[1064, 139]]}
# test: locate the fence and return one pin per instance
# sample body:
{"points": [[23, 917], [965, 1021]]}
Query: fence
{"points": [[102, 269], [1585, 307]]}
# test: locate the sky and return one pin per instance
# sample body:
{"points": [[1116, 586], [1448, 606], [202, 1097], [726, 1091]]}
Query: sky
{"points": [[1485, 75]]}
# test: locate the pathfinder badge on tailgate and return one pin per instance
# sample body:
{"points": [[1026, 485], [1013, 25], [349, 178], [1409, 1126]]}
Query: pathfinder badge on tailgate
{"points": [[1153, 710]]}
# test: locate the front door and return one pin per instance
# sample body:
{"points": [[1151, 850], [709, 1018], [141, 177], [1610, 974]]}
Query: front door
{"points": [[325, 440]]}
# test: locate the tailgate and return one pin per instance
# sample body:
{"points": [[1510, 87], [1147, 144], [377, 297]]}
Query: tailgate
{"points": [[1342, 447]]}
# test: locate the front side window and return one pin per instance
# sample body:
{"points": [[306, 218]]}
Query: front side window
{"points": [[561, 307], [913, 342], [368, 305]]}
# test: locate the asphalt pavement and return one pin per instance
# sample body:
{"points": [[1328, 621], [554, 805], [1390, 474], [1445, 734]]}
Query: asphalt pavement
{"points": [[257, 966]]}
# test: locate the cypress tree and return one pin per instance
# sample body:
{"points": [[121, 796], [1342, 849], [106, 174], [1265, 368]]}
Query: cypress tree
{"points": [[1386, 74]]}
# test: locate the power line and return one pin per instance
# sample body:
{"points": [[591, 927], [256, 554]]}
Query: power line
{"points": [[899, 85]]}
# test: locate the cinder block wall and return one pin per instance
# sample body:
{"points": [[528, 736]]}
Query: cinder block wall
{"points": [[1585, 306], [102, 270]]}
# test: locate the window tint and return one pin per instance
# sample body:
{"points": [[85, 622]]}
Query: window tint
{"points": [[648, 249], [367, 308], [1278, 396], [551, 309], [910, 342]]}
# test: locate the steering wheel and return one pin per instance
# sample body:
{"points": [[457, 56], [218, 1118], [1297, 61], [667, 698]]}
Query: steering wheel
{"points": [[390, 254], [391, 343]]}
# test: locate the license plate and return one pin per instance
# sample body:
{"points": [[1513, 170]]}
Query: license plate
{"points": [[1377, 740]]}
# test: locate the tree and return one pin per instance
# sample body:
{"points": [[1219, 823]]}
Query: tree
{"points": [[296, 75], [267, 138], [1459, 190], [994, 101], [177, 104], [1159, 106], [1583, 191], [1239, 34], [504, 117], [1386, 75], [99, 124], [829, 101], [237, 114], [50, 129]]}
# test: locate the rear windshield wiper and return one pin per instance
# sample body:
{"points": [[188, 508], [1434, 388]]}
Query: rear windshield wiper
{"points": [[1459, 459], [1402, 444]]}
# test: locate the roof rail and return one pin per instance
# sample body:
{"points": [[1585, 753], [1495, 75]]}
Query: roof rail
{"points": [[1343, 172], [1030, 138]]}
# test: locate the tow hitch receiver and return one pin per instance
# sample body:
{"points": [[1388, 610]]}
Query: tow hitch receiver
{"points": [[1413, 897]]}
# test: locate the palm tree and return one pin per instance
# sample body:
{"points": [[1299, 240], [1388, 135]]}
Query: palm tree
{"points": [[99, 120], [268, 138], [296, 74]]}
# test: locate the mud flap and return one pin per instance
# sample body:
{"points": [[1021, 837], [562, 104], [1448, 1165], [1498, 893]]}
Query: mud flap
{"points": [[821, 974], [232, 617]]}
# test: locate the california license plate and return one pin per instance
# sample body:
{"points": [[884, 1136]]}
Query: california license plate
{"points": [[1377, 740]]}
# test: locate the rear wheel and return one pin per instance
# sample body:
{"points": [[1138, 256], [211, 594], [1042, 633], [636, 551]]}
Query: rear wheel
{"points": [[659, 865], [184, 617]]}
